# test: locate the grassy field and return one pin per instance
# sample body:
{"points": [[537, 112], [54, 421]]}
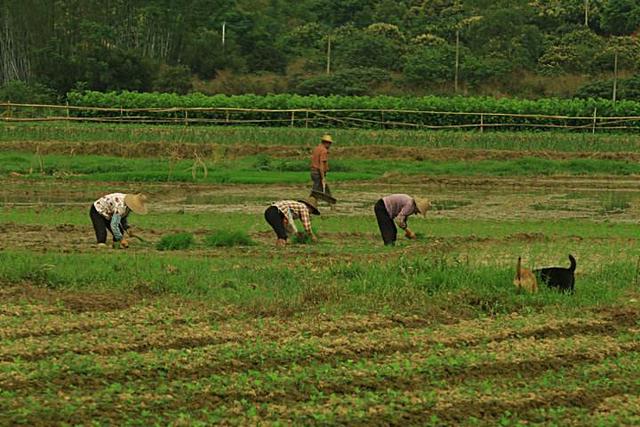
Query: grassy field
{"points": [[229, 329]]}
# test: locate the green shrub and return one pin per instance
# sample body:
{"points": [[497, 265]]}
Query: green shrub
{"points": [[614, 203], [354, 81], [174, 242], [21, 92], [628, 89], [228, 238], [175, 79]]}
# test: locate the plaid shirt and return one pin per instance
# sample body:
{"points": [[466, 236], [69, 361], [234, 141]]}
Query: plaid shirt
{"points": [[298, 210]]}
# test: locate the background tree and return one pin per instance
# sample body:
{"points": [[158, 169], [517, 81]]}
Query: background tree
{"points": [[278, 45], [621, 17]]}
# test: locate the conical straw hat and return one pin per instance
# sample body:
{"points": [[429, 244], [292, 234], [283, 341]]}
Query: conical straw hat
{"points": [[423, 206], [327, 138], [136, 202], [313, 208]]}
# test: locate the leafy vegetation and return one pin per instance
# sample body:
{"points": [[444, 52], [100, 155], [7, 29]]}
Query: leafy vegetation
{"points": [[419, 111], [218, 142], [242, 171]]}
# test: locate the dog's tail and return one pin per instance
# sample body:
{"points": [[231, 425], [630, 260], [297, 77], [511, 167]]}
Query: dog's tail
{"points": [[518, 269], [573, 263]]}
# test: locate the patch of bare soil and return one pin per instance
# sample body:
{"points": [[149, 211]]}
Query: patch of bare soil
{"points": [[359, 347], [187, 150], [174, 150], [461, 197], [469, 154], [494, 409], [76, 302]]}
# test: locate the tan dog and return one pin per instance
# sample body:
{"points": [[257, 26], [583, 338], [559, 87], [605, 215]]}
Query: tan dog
{"points": [[525, 279]]}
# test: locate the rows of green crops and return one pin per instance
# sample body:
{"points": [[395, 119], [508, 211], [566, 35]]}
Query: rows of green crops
{"points": [[359, 111]]}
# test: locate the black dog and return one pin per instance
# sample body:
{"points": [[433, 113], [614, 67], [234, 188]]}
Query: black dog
{"points": [[559, 277]]}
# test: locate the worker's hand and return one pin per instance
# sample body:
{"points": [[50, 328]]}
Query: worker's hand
{"points": [[314, 238], [409, 234], [124, 243]]}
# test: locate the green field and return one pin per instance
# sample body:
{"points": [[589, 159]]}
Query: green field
{"points": [[344, 331]]}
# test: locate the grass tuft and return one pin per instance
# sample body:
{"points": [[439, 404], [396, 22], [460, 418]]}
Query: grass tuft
{"points": [[223, 238], [301, 239], [614, 203], [174, 242]]}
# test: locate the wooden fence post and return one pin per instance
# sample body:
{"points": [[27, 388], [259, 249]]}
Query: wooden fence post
{"points": [[293, 118], [481, 123], [306, 120], [186, 117], [595, 117], [9, 109]]}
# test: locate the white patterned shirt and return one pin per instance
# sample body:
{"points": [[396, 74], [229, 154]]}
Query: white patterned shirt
{"points": [[111, 204], [113, 208]]}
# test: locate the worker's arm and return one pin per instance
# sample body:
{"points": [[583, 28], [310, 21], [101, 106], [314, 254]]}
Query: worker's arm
{"points": [[306, 223], [115, 227], [324, 162], [407, 209], [289, 223]]}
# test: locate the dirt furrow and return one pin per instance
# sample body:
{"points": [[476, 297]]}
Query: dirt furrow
{"points": [[493, 409], [180, 335], [446, 408], [324, 351], [184, 150]]}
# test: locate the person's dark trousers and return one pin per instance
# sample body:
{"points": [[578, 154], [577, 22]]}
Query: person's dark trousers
{"points": [[316, 179], [100, 225], [387, 226], [275, 218]]}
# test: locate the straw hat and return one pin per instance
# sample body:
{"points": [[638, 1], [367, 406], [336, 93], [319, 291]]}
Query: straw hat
{"points": [[136, 202], [327, 138], [313, 207], [423, 205]]}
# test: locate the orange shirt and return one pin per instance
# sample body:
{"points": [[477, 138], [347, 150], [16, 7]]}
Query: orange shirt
{"points": [[320, 158]]}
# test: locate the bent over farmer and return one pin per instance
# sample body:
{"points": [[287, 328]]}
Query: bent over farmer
{"points": [[320, 166], [281, 215], [110, 213], [398, 207]]}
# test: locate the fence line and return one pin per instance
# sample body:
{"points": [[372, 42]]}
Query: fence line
{"points": [[16, 112]]}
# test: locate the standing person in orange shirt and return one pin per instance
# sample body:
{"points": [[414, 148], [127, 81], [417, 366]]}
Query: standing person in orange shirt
{"points": [[320, 166]]}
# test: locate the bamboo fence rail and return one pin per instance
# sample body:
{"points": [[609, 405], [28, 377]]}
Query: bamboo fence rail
{"points": [[14, 112]]}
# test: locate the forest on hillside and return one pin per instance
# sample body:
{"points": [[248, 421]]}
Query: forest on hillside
{"points": [[520, 48]]}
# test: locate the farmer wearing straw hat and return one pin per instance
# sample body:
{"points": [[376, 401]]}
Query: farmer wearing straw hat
{"points": [[398, 207], [281, 215], [320, 166], [110, 213]]}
